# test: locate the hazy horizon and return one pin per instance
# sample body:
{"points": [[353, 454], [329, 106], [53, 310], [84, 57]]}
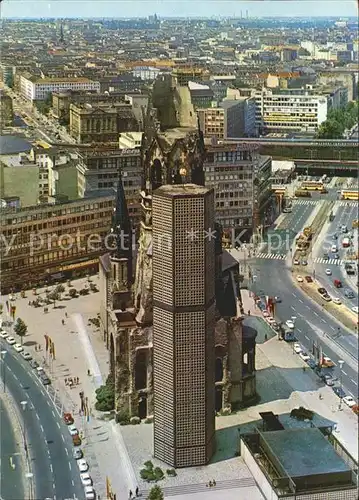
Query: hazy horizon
{"points": [[180, 9]]}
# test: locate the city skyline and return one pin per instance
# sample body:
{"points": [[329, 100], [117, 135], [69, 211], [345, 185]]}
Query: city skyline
{"points": [[22, 9]]}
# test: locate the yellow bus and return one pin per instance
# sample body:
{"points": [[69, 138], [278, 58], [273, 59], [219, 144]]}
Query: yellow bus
{"points": [[351, 194], [312, 186], [302, 193]]}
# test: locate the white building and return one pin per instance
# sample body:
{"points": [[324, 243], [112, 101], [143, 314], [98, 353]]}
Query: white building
{"points": [[290, 110], [37, 89]]}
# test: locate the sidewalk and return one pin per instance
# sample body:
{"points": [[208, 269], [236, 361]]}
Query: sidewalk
{"points": [[76, 343]]}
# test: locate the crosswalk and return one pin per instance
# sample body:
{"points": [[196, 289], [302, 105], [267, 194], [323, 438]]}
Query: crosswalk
{"points": [[321, 260], [273, 256], [305, 202], [343, 203]]}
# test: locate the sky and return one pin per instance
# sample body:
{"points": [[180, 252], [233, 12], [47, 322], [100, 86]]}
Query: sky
{"points": [[177, 8]]}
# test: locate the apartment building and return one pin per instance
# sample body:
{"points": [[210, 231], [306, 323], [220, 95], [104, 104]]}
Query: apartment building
{"points": [[99, 169], [183, 325], [231, 119], [100, 123], [49, 242], [38, 89], [240, 177], [296, 110]]}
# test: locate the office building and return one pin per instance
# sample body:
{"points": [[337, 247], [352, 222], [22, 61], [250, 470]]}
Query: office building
{"points": [[99, 123], [38, 89], [240, 177], [53, 241], [183, 324]]}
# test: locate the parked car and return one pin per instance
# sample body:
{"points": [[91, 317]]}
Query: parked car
{"points": [[327, 297], [73, 430], [45, 379], [34, 364], [83, 465], [76, 440], [304, 356], [339, 392], [311, 363], [355, 309], [328, 272], [290, 324], [328, 380], [3, 334], [77, 453], [304, 262], [296, 262], [327, 362], [336, 301], [86, 479], [11, 340], [68, 418], [296, 348], [18, 347], [278, 300], [322, 291], [26, 355], [299, 279], [348, 400], [89, 493], [308, 279]]}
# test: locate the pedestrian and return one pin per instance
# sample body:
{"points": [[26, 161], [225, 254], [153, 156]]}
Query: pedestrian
{"points": [[265, 337], [88, 372], [249, 312], [214, 482], [78, 380], [130, 495], [210, 484], [63, 321], [137, 491], [66, 315], [65, 381]]}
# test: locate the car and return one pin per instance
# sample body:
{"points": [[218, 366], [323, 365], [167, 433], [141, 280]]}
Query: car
{"points": [[299, 279], [308, 279], [45, 379], [76, 440], [26, 355], [336, 256], [322, 291], [296, 348], [266, 314], [34, 364], [275, 326], [326, 256], [311, 363], [77, 453], [271, 320], [296, 262], [348, 293], [18, 347], [348, 400], [278, 300], [327, 297], [336, 301], [339, 392], [86, 479], [83, 465], [304, 262], [89, 493], [327, 362], [73, 430], [290, 324], [328, 380], [11, 340], [3, 334], [304, 356], [355, 309], [328, 272], [68, 418], [335, 236], [338, 284]]}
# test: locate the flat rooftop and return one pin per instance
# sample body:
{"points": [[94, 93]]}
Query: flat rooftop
{"points": [[304, 452], [181, 190]]}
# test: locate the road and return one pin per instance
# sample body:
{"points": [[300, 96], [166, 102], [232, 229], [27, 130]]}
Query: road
{"points": [[274, 278], [345, 213], [49, 443], [11, 488]]}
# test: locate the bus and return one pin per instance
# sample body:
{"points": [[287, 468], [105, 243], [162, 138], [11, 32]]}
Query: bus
{"points": [[350, 194], [302, 193], [312, 186]]}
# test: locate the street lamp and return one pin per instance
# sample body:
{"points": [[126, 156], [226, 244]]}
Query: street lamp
{"points": [[24, 406], [341, 363], [3, 354]]}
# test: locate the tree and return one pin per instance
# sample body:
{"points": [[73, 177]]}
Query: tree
{"points": [[155, 493], [20, 328], [105, 396]]}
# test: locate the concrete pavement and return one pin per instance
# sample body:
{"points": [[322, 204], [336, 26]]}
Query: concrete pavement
{"points": [[79, 347]]}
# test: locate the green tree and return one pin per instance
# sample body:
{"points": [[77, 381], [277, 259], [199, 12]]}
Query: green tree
{"points": [[105, 396], [20, 328], [155, 493]]}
